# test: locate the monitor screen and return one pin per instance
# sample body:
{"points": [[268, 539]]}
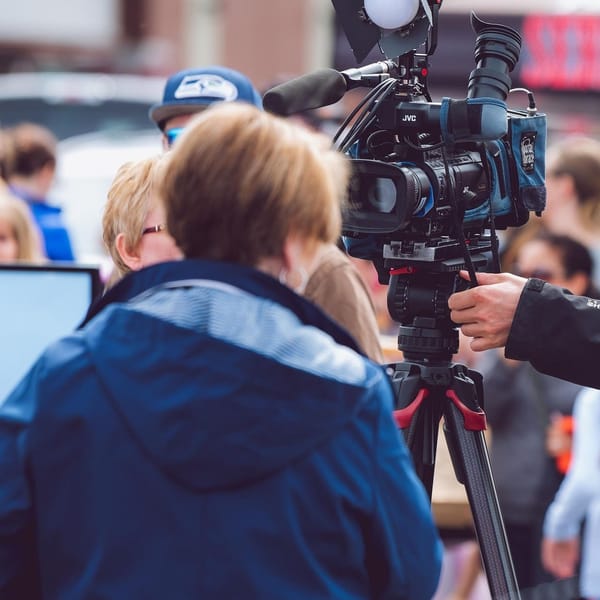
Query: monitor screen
{"points": [[38, 305]]}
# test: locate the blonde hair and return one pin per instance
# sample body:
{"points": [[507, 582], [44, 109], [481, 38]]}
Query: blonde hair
{"points": [[128, 202], [241, 180], [17, 214]]}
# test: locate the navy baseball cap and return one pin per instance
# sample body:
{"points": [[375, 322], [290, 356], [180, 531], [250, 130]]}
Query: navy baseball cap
{"points": [[192, 90]]}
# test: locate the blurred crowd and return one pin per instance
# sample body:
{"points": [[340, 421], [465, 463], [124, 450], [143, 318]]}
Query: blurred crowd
{"points": [[543, 431]]}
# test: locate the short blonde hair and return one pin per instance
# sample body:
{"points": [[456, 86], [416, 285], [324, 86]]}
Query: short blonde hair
{"points": [[128, 203], [241, 180], [25, 231]]}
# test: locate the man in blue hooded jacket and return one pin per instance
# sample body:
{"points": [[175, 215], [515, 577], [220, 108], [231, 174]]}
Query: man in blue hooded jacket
{"points": [[208, 433]]}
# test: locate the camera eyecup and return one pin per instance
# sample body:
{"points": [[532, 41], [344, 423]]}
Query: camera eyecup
{"points": [[497, 49]]}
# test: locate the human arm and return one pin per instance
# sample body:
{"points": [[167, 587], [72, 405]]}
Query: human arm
{"points": [[560, 557], [486, 312], [557, 332], [535, 321]]}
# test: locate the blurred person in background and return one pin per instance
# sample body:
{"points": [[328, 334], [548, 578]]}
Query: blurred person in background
{"points": [[191, 91], [336, 285], [578, 502], [134, 223], [522, 408], [19, 236], [573, 198], [207, 408], [31, 179]]}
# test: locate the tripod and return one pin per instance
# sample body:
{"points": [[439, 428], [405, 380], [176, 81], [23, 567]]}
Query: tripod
{"points": [[428, 386]]}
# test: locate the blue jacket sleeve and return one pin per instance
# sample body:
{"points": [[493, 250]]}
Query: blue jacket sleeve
{"points": [[581, 486], [404, 549], [19, 577]]}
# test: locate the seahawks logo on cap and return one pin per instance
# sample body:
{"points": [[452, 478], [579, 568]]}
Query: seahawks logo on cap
{"points": [[206, 86]]}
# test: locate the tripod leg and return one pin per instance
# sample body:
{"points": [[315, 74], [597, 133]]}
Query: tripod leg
{"points": [[468, 450], [418, 414]]}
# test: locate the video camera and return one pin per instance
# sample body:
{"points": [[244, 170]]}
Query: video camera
{"points": [[432, 181]]}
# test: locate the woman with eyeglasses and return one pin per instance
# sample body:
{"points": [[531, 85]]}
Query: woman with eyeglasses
{"points": [[133, 223], [208, 432]]}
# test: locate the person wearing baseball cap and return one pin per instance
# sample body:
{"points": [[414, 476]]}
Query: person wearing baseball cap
{"points": [[336, 285], [190, 91]]}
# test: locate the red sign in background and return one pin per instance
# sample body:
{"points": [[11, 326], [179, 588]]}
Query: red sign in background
{"points": [[562, 52]]}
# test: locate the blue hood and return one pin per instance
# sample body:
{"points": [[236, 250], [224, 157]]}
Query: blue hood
{"points": [[176, 365]]}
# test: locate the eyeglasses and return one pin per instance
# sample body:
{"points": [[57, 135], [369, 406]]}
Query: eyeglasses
{"points": [[153, 229], [172, 135]]}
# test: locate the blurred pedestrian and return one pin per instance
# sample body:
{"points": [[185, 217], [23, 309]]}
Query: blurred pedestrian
{"points": [[19, 236], [335, 286], [133, 223], [31, 179], [578, 502], [522, 405], [573, 198], [210, 433]]}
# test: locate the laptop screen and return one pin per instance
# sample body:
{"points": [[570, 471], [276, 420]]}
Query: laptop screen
{"points": [[38, 305]]}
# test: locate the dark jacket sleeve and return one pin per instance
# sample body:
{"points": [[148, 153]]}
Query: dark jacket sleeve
{"points": [[558, 333]]}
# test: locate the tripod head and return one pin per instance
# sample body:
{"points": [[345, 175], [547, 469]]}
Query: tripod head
{"points": [[418, 294], [428, 385]]}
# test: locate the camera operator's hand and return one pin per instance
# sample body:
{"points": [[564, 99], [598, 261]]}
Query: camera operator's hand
{"points": [[485, 313]]}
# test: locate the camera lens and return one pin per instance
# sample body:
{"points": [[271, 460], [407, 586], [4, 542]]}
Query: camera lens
{"points": [[381, 194], [497, 50]]}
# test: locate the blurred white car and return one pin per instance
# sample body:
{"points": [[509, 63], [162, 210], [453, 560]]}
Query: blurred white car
{"points": [[75, 103], [86, 167]]}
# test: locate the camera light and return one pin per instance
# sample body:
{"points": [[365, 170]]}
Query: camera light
{"points": [[392, 14]]}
